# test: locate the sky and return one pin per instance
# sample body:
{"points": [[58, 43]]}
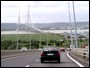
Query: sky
{"points": [[43, 11]]}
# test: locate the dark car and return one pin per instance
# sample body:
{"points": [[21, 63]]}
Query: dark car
{"points": [[50, 53]]}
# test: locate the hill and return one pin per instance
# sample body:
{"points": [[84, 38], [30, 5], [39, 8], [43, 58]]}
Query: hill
{"points": [[43, 26]]}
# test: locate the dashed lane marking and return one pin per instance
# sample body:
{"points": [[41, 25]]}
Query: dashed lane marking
{"points": [[11, 57], [37, 60], [27, 66]]}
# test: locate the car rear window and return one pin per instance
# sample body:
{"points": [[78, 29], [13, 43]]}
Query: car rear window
{"points": [[50, 48]]}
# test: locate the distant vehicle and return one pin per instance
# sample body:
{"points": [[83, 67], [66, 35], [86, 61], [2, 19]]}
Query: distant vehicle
{"points": [[87, 48], [24, 49], [40, 49], [84, 46], [72, 46], [68, 49], [62, 49], [50, 53]]}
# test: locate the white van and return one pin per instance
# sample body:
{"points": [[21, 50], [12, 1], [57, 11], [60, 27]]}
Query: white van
{"points": [[72, 46], [24, 49]]}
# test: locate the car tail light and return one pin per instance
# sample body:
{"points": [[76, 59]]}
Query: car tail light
{"points": [[42, 54], [57, 54]]}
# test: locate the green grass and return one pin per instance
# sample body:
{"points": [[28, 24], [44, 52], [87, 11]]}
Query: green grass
{"points": [[13, 37], [26, 37]]}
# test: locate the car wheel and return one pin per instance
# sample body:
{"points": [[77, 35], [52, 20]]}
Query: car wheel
{"points": [[58, 60], [42, 61]]}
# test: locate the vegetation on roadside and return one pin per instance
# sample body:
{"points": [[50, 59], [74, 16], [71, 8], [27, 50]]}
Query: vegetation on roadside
{"points": [[10, 41]]}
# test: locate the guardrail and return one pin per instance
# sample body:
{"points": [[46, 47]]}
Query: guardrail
{"points": [[81, 53]]}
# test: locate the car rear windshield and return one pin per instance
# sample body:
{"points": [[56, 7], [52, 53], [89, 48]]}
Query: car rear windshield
{"points": [[50, 49]]}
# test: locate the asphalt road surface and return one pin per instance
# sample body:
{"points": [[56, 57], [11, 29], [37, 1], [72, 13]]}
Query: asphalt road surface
{"points": [[33, 60]]}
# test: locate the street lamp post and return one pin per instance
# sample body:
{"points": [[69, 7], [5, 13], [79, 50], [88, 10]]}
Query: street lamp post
{"points": [[47, 38], [54, 39], [70, 24], [18, 29], [40, 40], [75, 25], [17, 37], [61, 41], [29, 19], [66, 39]]}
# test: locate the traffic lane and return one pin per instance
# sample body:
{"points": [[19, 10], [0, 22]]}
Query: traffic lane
{"points": [[20, 61], [65, 62], [33, 60]]}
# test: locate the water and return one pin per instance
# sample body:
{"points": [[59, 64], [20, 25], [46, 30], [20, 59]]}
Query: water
{"points": [[68, 31], [52, 31], [15, 32]]}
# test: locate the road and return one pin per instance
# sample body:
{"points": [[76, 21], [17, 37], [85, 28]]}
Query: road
{"points": [[33, 60]]}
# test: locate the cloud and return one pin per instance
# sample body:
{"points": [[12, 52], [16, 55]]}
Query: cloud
{"points": [[8, 4], [43, 11]]}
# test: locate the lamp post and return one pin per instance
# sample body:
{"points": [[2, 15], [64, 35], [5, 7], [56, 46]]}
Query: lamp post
{"points": [[40, 40], [70, 24], [54, 39], [61, 41], [29, 19], [75, 25], [18, 29], [47, 38]]}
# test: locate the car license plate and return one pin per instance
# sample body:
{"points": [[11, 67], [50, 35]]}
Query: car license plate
{"points": [[50, 54]]}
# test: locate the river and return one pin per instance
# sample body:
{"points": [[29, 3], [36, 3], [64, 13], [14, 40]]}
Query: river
{"points": [[52, 31]]}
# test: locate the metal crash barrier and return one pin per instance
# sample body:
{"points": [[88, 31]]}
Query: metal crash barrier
{"points": [[81, 53]]}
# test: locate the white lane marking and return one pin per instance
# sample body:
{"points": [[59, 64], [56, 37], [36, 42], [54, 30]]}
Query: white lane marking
{"points": [[27, 66], [75, 60], [11, 58], [37, 60]]}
